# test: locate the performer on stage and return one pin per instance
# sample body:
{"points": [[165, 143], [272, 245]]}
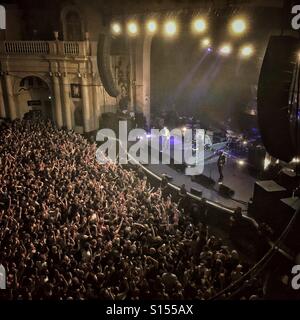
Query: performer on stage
{"points": [[221, 162]]}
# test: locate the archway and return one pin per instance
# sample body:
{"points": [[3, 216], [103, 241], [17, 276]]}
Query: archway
{"points": [[34, 95]]}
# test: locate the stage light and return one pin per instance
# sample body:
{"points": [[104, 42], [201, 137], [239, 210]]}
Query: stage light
{"points": [[199, 25], [206, 43], [246, 51], [267, 162], [245, 142], [170, 28], [132, 28], [225, 50], [151, 26], [238, 26], [241, 162], [184, 129], [116, 28]]}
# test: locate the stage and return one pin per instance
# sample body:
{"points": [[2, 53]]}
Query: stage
{"points": [[236, 177]]}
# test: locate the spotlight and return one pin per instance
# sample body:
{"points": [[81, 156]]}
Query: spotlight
{"points": [[246, 51], [199, 25], [116, 28], [238, 26], [170, 28], [151, 26], [132, 28], [241, 162], [205, 43], [267, 162], [225, 50]]}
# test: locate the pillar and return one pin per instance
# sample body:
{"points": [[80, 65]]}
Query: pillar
{"points": [[66, 102], [57, 97], [2, 106], [87, 116], [10, 97], [132, 88], [97, 111], [142, 71]]}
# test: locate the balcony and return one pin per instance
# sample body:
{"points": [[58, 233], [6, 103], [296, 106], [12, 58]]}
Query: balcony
{"points": [[45, 48]]}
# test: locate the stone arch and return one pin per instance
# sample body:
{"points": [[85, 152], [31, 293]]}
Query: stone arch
{"points": [[21, 76], [33, 93]]}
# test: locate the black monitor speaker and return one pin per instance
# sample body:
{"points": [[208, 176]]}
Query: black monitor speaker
{"points": [[196, 192], [225, 191], [205, 181]]}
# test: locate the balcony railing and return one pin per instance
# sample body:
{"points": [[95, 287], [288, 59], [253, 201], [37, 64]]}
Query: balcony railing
{"points": [[26, 47], [71, 48], [61, 48]]}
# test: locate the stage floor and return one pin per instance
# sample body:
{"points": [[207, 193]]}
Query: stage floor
{"points": [[235, 177]]}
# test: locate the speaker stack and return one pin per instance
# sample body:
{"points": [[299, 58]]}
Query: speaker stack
{"points": [[277, 121], [104, 67], [273, 96]]}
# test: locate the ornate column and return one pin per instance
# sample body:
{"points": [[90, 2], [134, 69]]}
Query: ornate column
{"points": [[97, 111], [10, 97], [87, 116], [57, 97], [2, 106], [66, 101]]}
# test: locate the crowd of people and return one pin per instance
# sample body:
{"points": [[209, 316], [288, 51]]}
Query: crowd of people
{"points": [[71, 228]]}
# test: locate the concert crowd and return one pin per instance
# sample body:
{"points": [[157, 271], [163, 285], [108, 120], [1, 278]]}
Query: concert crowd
{"points": [[72, 229]]}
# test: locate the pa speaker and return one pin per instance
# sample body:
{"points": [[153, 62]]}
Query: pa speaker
{"points": [[202, 179], [103, 60], [225, 191], [273, 95]]}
